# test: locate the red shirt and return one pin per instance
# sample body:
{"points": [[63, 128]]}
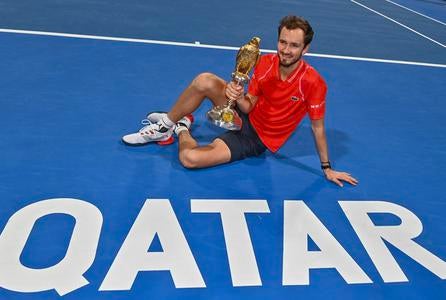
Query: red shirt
{"points": [[282, 105]]}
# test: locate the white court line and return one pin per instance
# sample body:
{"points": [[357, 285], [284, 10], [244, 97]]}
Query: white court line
{"points": [[199, 45], [401, 24], [414, 11], [388, 61]]}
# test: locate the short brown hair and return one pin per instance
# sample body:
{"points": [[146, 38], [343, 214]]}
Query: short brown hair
{"points": [[294, 22]]}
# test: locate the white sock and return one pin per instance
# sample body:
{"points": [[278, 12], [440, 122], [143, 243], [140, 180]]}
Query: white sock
{"points": [[167, 122], [179, 129]]}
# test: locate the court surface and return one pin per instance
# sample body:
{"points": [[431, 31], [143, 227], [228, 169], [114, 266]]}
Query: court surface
{"points": [[76, 202]]}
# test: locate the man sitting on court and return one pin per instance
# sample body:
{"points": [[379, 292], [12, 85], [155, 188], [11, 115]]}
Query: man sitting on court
{"points": [[283, 89]]}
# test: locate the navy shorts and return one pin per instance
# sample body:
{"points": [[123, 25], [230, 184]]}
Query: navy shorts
{"points": [[245, 142]]}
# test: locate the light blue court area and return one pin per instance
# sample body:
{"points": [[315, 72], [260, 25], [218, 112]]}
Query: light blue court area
{"points": [[431, 8], [342, 27], [264, 228]]}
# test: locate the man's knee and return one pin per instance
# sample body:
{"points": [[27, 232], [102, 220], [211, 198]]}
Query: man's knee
{"points": [[215, 153], [190, 159], [207, 82]]}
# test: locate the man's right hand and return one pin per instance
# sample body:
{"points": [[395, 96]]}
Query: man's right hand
{"points": [[234, 91]]}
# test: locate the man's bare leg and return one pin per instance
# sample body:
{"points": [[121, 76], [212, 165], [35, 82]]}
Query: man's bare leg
{"points": [[205, 85], [192, 155]]}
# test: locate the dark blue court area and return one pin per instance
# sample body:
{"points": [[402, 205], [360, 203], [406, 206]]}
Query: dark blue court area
{"points": [[84, 216]]}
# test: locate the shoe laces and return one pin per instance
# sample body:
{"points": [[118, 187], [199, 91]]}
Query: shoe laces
{"points": [[153, 128], [149, 127]]}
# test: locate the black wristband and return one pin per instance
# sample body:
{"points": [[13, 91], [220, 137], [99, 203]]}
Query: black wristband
{"points": [[325, 165]]}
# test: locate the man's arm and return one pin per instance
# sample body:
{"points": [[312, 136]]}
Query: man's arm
{"points": [[245, 102], [321, 145]]}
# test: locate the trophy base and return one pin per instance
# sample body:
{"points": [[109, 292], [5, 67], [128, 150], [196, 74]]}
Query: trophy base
{"points": [[218, 117]]}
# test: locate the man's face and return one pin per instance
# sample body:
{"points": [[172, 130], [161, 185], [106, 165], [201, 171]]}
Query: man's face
{"points": [[290, 46]]}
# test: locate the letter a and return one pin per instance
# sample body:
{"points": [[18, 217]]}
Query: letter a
{"points": [[156, 217], [299, 223]]}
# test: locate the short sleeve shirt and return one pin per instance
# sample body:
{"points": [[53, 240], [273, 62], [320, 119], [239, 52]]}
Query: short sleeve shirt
{"points": [[282, 104]]}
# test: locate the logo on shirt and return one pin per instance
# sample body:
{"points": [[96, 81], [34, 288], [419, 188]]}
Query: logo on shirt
{"points": [[295, 98]]}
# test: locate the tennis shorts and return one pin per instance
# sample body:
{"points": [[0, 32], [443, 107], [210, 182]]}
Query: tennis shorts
{"points": [[243, 143]]}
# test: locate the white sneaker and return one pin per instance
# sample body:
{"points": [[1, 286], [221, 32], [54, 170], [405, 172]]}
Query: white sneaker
{"points": [[155, 116], [184, 123], [152, 132]]}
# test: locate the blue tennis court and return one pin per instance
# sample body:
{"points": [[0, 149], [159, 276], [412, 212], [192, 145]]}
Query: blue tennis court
{"points": [[86, 217]]}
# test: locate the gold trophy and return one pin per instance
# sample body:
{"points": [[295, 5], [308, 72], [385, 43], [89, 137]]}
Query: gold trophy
{"points": [[247, 57]]}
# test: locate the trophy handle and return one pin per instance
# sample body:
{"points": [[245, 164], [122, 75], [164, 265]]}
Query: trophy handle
{"points": [[239, 80]]}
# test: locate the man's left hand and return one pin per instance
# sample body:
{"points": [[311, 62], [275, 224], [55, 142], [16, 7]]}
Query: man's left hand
{"points": [[339, 177]]}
